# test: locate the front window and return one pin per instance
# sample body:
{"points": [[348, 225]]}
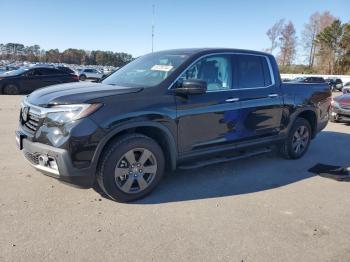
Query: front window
{"points": [[216, 70], [15, 72], [146, 71]]}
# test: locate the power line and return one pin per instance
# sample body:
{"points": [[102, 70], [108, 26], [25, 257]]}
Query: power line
{"points": [[153, 14]]}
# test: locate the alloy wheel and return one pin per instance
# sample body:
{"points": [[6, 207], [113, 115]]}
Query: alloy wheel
{"points": [[300, 139], [135, 170]]}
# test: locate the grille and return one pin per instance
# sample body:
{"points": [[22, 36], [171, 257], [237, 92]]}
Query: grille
{"points": [[345, 107], [32, 158], [32, 122]]}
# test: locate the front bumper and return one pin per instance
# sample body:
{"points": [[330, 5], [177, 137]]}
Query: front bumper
{"points": [[65, 171], [340, 113]]}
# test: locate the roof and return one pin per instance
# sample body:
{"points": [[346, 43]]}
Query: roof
{"points": [[193, 51]]}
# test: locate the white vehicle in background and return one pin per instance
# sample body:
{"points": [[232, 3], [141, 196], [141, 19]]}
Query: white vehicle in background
{"points": [[89, 73]]}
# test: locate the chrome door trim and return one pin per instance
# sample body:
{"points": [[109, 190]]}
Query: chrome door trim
{"points": [[235, 99]]}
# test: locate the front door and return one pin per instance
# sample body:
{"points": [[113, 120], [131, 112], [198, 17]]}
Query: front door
{"points": [[31, 80], [209, 119]]}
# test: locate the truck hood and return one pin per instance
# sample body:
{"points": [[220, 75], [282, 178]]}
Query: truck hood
{"points": [[75, 93]]}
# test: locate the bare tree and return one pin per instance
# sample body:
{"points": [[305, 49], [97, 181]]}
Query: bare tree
{"points": [[273, 34], [311, 29], [288, 42], [317, 23], [326, 19]]}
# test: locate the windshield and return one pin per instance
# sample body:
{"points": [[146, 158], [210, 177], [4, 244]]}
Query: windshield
{"points": [[15, 72], [146, 71]]}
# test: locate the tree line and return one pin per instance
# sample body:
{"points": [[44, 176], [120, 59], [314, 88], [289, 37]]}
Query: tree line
{"points": [[324, 46], [19, 52]]}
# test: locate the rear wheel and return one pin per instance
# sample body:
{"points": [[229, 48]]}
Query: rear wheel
{"points": [[82, 77], [130, 167], [11, 89], [298, 140]]}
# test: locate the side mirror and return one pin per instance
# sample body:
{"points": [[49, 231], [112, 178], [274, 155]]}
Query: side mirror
{"points": [[192, 87]]}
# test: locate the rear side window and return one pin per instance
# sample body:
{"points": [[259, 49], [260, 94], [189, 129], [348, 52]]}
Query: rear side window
{"points": [[65, 70], [53, 71], [253, 71], [47, 71], [38, 72]]}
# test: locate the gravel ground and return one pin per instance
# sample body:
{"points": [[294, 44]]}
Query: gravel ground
{"points": [[259, 209]]}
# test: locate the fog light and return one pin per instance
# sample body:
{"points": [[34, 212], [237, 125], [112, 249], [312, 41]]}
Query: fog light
{"points": [[43, 160], [48, 161], [53, 164]]}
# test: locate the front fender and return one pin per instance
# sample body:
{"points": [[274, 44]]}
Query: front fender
{"points": [[134, 124]]}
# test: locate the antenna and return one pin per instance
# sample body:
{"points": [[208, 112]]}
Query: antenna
{"points": [[153, 13]]}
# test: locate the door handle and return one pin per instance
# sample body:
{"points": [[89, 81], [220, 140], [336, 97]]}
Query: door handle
{"points": [[273, 95], [235, 99]]}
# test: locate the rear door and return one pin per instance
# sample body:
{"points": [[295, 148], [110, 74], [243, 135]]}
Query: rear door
{"points": [[95, 73], [52, 76], [259, 96]]}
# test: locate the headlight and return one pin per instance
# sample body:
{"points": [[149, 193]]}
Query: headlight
{"points": [[68, 113], [335, 103]]}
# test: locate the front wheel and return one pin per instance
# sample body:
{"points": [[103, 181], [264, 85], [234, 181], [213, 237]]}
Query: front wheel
{"points": [[298, 140], [11, 89], [130, 167]]}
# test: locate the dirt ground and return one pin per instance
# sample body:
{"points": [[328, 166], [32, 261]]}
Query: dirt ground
{"points": [[263, 208]]}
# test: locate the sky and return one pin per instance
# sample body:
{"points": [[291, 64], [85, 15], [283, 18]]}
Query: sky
{"points": [[125, 26]]}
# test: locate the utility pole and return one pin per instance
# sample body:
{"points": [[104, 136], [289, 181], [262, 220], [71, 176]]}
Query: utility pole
{"points": [[153, 13]]}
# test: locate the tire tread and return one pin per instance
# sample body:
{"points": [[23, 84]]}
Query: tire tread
{"points": [[111, 147]]}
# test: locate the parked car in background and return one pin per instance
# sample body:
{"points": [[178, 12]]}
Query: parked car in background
{"points": [[10, 68], [309, 79], [26, 80], [336, 84], [346, 88], [340, 108], [179, 108], [89, 73], [286, 79], [105, 75], [66, 69]]}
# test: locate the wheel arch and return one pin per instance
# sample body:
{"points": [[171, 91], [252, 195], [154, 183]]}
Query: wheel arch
{"points": [[154, 130], [6, 83], [310, 116]]}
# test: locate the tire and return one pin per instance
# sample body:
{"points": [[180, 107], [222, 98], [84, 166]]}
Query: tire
{"points": [[11, 89], [82, 77], [121, 171], [288, 148]]}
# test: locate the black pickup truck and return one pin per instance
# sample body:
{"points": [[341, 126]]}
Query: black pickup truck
{"points": [[180, 108]]}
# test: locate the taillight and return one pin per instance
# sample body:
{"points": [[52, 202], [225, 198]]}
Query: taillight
{"points": [[75, 77]]}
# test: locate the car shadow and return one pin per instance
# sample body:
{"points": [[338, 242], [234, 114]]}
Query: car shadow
{"points": [[250, 175]]}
